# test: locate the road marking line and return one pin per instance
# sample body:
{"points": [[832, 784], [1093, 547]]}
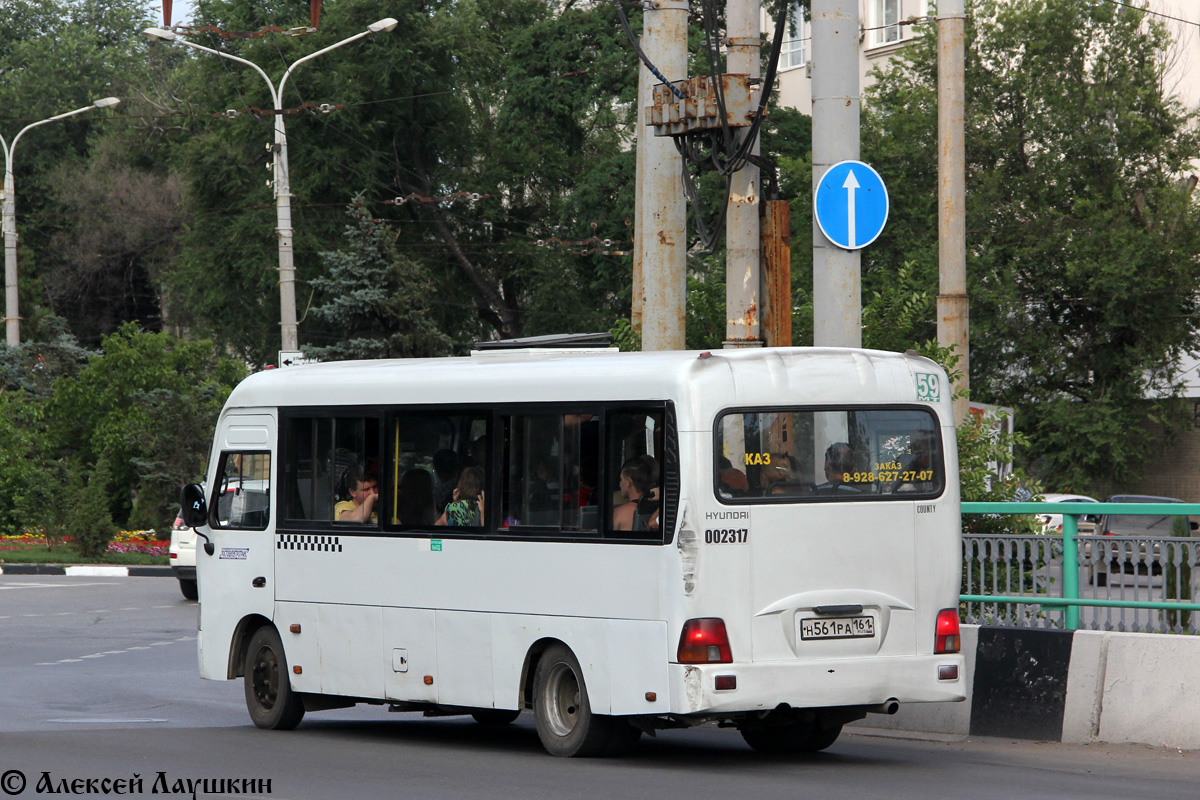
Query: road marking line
{"points": [[138, 647], [65, 614], [94, 655], [67, 660], [159, 644], [113, 652]]}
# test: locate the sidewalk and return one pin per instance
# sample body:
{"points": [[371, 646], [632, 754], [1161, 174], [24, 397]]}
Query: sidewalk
{"points": [[87, 570]]}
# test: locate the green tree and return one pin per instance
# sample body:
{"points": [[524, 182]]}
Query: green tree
{"points": [[486, 130], [88, 519], [57, 56], [380, 301], [147, 404], [1082, 238]]}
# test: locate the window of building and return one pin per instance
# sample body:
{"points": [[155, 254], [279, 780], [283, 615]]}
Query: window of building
{"points": [[794, 52], [887, 21]]}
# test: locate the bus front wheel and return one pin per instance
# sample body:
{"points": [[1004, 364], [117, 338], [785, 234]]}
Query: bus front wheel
{"points": [[565, 722], [269, 695]]}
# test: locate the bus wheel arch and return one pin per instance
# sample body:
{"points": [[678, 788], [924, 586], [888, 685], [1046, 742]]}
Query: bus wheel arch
{"points": [[245, 629], [562, 711], [529, 669]]}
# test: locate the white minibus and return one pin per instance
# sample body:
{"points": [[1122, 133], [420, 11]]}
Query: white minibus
{"points": [[621, 543]]}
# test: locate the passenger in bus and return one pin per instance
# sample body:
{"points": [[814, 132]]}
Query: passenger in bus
{"points": [[445, 467], [466, 511], [634, 485], [414, 498], [733, 481], [916, 473], [363, 488], [839, 463]]}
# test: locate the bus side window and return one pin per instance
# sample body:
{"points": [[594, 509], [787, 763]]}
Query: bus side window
{"points": [[634, 469], [320, 456], [242, 496], [551, 465]]}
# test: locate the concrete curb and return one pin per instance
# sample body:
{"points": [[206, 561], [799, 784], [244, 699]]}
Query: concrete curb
{"points": [[87, 571], [1076, 687]]}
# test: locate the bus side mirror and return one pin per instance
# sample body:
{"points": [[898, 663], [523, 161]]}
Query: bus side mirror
{"points": [[192, 506]]}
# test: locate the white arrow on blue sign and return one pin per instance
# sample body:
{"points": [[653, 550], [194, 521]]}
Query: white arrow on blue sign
{"points": [[851, 204]]}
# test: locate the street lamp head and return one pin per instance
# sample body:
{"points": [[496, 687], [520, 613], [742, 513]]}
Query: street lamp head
{"points": [[160, 33], [383, 26], [105, 102]]}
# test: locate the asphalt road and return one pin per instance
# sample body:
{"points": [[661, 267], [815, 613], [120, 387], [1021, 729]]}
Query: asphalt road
{"points": [[98, 681]]}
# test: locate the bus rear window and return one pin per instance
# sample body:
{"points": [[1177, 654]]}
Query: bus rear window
{"points": [[828, 455]]}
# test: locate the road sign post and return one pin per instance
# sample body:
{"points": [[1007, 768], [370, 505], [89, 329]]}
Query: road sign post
{"points": [[851, 205]]}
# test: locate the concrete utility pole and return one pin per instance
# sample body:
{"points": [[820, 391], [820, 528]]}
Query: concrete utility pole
{"points": [[8, 210], [743, 301], [288, 326], [660, 227], [837, 292], [952, 309]]}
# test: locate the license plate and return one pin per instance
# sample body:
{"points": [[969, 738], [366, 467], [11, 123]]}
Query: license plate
{"points": [[837, 628]]}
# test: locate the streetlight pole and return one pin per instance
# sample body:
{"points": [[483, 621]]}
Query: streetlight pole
{"points": [[12, 314], [290, 338]]}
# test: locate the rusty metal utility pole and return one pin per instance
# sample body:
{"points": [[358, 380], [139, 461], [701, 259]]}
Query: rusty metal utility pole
{"points": [[743, 302], [952, 310], [837, 273], [660, 225]]}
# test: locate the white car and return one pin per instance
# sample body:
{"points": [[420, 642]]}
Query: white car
{"points": [[183, 558], [1052, 523]]}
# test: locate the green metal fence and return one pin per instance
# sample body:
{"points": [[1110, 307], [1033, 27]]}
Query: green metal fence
{"points": [[1070, 599]]}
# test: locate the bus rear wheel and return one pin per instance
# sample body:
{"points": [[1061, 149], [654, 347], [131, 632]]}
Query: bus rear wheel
{"points": [[565, 722], [269, 696]]}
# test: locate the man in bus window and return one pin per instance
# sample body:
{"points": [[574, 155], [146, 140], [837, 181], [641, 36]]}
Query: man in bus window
{"points": [[364, 491], [635, 482], [839, 463]]}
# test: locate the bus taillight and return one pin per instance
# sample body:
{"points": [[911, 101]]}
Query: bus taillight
{"points": [[947, 639], [704, 641]]}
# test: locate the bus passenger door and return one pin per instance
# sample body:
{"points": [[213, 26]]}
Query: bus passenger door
{"points": [[238, 579]]}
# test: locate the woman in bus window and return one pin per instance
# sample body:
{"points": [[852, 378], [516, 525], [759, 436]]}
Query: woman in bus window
{"points": [[467, 509]]}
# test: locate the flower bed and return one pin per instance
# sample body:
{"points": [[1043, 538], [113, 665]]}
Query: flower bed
{"points": [[144, 542]]}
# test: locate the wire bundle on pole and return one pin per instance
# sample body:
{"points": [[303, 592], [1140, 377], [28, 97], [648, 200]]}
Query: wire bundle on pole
{"points": [[725, 151]]}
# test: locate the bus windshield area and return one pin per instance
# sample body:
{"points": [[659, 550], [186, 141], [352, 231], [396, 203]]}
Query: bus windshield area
{"points": [[828, 455]]}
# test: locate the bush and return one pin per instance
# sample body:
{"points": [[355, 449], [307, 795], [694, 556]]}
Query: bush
{"points": [[89, 520]]}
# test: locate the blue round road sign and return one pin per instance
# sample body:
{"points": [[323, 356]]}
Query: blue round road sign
{"points": [[851, 204]]}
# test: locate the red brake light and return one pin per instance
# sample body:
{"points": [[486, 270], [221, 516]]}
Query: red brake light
{"points": [[947, 639], [704, 641]]}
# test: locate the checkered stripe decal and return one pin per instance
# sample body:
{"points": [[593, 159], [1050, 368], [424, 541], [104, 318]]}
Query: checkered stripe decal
{"points": [[302, 541]]}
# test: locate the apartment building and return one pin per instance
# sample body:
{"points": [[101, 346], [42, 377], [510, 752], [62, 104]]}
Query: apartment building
{"points": [[887, 25]]}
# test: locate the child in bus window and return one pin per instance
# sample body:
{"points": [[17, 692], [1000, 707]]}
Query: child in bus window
{"points": [[466, 511]]}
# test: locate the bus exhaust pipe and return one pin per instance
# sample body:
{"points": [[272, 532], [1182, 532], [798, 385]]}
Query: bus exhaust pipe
{"points": [[888, 707]]}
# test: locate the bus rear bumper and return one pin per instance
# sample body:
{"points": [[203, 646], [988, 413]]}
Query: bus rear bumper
{"points": [[816, 684]]}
